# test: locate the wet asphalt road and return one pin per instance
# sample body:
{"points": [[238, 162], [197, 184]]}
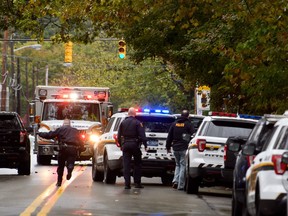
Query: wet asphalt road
{"points": [[37, 195]]}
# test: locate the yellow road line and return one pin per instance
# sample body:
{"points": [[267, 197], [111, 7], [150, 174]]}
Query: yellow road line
{"points": [[54, 193]]}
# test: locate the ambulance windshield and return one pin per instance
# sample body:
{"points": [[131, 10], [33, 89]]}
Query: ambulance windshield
{"points": [[73, 111]]}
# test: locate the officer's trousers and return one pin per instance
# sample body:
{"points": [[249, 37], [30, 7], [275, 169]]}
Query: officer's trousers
{"points": [[66, 156], [131, 149]]}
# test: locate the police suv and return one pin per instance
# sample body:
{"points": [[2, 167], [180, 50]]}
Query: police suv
{"points": [[156, 162], [266, 178], [205, 154]]}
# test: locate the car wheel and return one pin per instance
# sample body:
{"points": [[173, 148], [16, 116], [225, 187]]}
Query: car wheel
{"points": [[191, 184], [24, 166], [44, 159], [96, 174], [109, 175], [236, 207], [167, 179], [258, 203]]}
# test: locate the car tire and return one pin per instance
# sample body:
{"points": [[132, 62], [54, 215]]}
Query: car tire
{"points": [[236, 207], [24, 167], [97, 176], [109, 175], [44, 159], [258, 202], [191, 184]]}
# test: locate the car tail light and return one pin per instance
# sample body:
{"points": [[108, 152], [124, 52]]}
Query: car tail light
{"points": [[250, 159], [279, 167], [201, 144], [116, 140], [225, 152], [22, 137]]}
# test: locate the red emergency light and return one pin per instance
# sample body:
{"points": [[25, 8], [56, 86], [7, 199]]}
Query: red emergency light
{"points": [[222, 114]]}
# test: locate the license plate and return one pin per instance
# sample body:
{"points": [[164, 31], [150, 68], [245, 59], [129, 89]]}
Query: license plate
{"points": [[152, 143]]}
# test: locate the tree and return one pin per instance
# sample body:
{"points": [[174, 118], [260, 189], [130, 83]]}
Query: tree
{"points": [[234, 47]]}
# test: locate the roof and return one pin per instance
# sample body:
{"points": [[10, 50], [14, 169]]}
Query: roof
{"points": [[124, 114]]}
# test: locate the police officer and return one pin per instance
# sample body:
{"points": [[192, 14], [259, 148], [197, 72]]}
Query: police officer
{"points": [[69, 145], [178, 137], [131, 135]]}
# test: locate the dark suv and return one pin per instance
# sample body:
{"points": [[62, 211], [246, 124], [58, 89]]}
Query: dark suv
{"points": [[257, 137], [14, 143]]}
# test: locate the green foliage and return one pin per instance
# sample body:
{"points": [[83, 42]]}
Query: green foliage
{"points": [[238, 48]]}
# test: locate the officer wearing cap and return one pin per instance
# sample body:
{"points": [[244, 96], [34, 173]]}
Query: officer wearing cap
{"points": [[178, 137], [131, 135], [69, 145]]}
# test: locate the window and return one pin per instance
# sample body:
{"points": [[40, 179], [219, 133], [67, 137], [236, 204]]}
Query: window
{"points": [[229, 128], [266, 144], [109, 125], [282, 139], [117, 124], [9, 122], [156, 124], [74, 111]]}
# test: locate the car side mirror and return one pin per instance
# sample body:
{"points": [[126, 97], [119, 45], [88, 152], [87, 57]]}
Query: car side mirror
{"points": [[249, 149], [284, 158], [234, 147], [235, 143]]}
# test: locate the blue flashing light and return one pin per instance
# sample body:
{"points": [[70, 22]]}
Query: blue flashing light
{"points": [[147, 110], [249, 116], [165, 111]]}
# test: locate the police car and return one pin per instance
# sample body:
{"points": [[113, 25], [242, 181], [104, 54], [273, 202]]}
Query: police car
{"points": [[205, 154], [196, 120], [265, 189], [156, 162]]}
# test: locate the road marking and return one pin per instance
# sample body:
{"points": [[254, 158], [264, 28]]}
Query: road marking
{"points": [[50, 196]]}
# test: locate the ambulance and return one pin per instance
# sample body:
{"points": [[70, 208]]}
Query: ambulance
{"points": [[88, 108]]}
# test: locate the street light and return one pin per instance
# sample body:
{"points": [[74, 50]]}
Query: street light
{"points": [[33, 46]]}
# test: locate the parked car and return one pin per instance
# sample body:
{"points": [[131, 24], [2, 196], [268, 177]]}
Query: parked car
{"points": [[156, 162], [204, 157], [14, 143], [257, 137], [265, 193]]}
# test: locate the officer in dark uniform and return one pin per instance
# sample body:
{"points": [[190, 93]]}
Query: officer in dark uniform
{"points": [[69, 145], [178, 137], [131, 135]]}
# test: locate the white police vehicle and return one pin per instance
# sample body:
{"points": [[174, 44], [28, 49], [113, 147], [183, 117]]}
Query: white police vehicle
{"points": [[265, 188], [196, 120], [156, 162], [205, 154]]}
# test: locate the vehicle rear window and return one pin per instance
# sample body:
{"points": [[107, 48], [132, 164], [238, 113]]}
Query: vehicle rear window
{"points": [[8, 122], [228, 128], [156, 124]]}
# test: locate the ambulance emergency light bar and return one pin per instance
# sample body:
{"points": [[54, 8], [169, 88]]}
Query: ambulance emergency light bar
{"points": [[146, 110]]}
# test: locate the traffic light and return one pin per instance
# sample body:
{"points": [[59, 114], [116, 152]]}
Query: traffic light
{"points": [[122, 49], [68, 52]]}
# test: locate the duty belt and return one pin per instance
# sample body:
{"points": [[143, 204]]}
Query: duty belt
{"points": [[130, 140]]}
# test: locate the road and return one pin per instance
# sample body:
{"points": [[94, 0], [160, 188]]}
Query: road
{"points": [[37, 195]]}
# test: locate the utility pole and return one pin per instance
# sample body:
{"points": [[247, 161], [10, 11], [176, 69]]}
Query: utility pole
{"points": [[4, 73], [18, 90]]}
